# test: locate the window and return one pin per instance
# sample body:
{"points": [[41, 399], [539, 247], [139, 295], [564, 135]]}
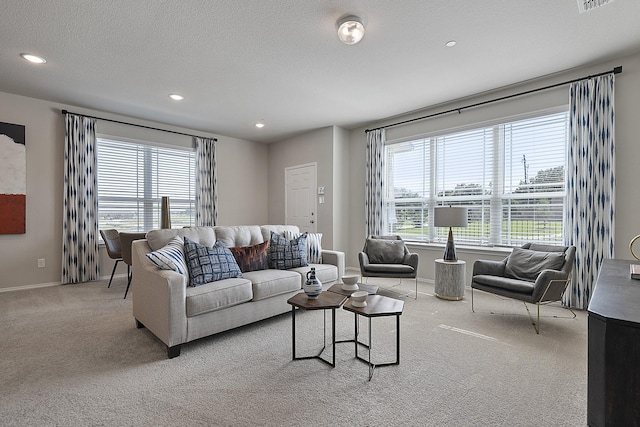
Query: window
{"points": [[133, 177], [511, 176]]}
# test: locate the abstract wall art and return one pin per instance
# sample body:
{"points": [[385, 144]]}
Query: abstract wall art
{"points": [[13, 179]]}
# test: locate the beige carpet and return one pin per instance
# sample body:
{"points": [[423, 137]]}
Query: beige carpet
{"points": [[71, 355]]}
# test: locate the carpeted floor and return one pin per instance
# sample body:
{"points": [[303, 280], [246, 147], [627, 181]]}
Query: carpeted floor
{"points": [[71, 355]]}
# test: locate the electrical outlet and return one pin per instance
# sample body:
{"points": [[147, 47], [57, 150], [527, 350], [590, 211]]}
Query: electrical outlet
{"points": [[41, 263]]}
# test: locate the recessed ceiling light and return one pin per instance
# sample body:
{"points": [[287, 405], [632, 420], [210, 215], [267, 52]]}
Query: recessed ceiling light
{"points": [[350, 29], [260, 125], [451, 43], [176, 97], [33, 58]]}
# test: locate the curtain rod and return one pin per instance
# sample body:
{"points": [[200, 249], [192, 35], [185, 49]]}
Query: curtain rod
{"points": [[134, 124], [616, 70]]}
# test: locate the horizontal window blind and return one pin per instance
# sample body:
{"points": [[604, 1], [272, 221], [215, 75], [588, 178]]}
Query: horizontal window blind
{"points": [[510, 176], [132, 179]]}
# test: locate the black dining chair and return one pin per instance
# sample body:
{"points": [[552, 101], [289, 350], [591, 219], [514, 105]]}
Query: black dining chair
{"points": [[111, 239]]}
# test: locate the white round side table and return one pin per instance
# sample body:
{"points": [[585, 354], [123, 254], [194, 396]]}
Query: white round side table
{"points": [[450, 279]]}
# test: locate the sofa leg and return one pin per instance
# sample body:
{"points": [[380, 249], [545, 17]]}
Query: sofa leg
{"points": [[173, 351], [139, 324]]}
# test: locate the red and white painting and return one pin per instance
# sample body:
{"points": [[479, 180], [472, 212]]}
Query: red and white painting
{"points": [[13, 179]]}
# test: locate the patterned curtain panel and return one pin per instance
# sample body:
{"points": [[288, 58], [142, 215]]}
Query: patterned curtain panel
{"points": [[206, 182], [373, 199], [80, 218], [590, 183]]}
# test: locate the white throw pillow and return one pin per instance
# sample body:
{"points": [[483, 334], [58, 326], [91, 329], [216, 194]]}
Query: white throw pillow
{"points": [[314, 245], [170, 257]]}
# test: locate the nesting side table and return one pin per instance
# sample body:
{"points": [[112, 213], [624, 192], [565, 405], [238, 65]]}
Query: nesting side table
{"points": [[450, 278], [325, 301], [377, 306]]}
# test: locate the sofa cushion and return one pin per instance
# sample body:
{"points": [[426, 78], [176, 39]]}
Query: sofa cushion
{"points": [[170, 257], [158, 238], [217, 295], [389, 268], [514, 285], [325, 273], [209, 264], [239, 235], [314, 245], [285, 254], [526, 264], [267, 283], [384, 251], [251, 258]]}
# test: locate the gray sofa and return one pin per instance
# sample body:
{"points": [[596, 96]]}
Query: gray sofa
{"points": [[177, 313]]}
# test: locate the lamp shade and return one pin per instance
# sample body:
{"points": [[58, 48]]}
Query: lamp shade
{"points": [[450, 216]]}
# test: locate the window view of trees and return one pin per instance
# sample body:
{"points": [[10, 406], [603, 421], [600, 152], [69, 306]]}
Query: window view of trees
{"points": [[513, 198]]}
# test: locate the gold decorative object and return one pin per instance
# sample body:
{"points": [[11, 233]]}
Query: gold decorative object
{"points": [[631, 247], [165, 217]]}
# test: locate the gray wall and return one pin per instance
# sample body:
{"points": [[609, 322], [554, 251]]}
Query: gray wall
{"points": [[242, 169], [314, 146], [627, 100], [251, 175]]}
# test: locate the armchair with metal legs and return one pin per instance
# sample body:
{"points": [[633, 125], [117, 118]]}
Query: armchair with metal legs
{"points": [[388, 256], [535, 273]]}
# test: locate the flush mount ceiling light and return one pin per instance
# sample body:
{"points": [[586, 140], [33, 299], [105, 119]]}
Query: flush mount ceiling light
{"points": [[259, 125], [33, 58], [176, 97], [451, 43], [350, 30], [587, 5]]}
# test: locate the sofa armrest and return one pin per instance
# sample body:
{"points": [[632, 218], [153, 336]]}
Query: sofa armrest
{"points": [[489, 267], [363, 259], [412, 260], [334, 258], [556, 281], [159, 298]]}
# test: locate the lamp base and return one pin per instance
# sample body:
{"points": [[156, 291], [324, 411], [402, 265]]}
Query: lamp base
{"points": [[450, 249]]}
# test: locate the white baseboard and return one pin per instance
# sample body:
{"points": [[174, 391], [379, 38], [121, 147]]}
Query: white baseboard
{"points": [[34, 286]]}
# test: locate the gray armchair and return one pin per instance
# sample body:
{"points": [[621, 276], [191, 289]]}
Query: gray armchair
{"points": [[388, 256], [534, 273]]}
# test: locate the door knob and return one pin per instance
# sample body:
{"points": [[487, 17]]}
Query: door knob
{"points": [[312, 221]]}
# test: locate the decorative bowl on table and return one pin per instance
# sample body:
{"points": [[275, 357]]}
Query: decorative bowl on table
{"points": [[359, 298], [350, 283]]}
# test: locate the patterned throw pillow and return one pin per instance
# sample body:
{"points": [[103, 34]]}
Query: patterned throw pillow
{"points": [[285, 254], [251, 258], [209, 264], [314, 245], [170, 257]]}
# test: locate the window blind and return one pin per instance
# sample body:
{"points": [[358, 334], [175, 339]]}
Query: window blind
{"points": [[132, 179], [510, 175]]}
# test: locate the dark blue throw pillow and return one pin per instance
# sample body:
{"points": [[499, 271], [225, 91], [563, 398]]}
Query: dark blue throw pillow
{"points": [[209, 264], [285, 254]]}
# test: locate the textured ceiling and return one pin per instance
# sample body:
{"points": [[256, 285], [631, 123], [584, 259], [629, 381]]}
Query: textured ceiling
{"points": [[238, 62]]}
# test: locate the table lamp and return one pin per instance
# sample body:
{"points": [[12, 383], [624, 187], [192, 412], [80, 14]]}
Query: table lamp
{"points": [[450, 216]]}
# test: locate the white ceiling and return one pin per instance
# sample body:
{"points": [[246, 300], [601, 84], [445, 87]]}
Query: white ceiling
{"points": [[241, 61]]}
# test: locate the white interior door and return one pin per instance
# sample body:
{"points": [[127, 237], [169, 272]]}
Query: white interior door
{"points": [[300, 197]]}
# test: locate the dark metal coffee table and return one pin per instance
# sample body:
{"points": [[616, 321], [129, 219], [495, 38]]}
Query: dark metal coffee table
{"points": [[377, 306], [325, 301]]}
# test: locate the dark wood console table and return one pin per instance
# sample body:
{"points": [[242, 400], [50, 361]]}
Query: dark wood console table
{"points": [[614, 347]]}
